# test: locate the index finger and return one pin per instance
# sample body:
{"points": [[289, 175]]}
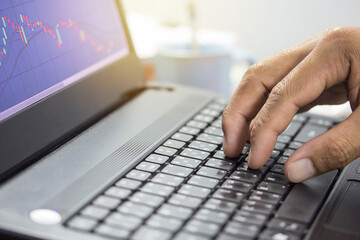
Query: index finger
{"points": [[252, 93]]}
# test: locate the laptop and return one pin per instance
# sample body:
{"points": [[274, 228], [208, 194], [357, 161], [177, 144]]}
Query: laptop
{"points": [[89, 150]]}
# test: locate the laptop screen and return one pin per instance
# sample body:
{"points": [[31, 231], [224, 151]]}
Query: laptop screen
{"points": [[48, 45]]}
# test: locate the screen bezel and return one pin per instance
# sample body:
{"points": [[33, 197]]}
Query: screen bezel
{"points": [[41, 127]]}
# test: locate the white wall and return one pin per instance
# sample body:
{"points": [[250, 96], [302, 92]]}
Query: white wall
{"points": [[264, 26]]}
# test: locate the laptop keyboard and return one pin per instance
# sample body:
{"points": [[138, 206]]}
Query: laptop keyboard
{"points": [[188, 189]]}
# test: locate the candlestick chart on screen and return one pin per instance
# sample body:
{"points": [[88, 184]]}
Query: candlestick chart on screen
{"points": [[42, 43]]}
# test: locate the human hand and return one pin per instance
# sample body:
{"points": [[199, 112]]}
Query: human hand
{"points": [[322, 70]]}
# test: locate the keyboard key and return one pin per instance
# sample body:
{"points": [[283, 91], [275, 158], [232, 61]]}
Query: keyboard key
{"points": [[167, 179], [321, 122], [260, 207], [185, 201], [224, 236], [189, 130], [112, 232], [211, 112], [265, 197], [237, 186], [221, 155], [135, 209], [243, 166], [279, 146], [273, 187], [156, 158], [211, 172], [214, 131], [82, 223], [123, 221], [203, 181], [196, 124], [166, 223], [128, 183], [120, 193], [245, 149], [276, 178], [295, 145], [283, 139], [299, 118], [286, 225], [106, 202], [177, 170], [147, 199], [228, 195], [288, 152], [220, 205], [194, 153], [292, 129], [157, 189], [221, 164], [245, 176], [241, 229], [278, 168], [182, 137], [194, 191], [186, 162], [175, 211], [199, 227], [275, 154], [148, 167], [308, 132], [146, 233], [282, 160], [189, 236], [95, 212], [217, 106], [217, 123], [204, 118], [166, 151], [272, 234], [209, 147], [138, 175], [174, 144], [212, 216], [250, 218], [210, 138]]}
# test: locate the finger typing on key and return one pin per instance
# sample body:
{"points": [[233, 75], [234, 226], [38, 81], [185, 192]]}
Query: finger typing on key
{"points": [[322, 70]]}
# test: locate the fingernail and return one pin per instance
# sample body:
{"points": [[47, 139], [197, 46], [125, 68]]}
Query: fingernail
{"points": [[224, 143], [301, 170]]}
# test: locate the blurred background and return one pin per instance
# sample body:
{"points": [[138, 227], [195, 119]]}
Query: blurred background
{"points": [[261, 27]]}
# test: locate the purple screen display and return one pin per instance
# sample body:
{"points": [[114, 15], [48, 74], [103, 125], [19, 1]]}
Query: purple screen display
{"points": [[47, 45]]}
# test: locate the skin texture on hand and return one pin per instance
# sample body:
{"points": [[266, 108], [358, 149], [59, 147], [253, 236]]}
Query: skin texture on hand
{"points": [[322, 70]]}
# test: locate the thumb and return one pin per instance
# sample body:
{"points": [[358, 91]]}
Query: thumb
{"points": [[331, 150]]}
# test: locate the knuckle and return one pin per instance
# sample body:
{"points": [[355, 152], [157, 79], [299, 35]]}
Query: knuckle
{"points": [[255, 70], [341, 36], [278, 91]]}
